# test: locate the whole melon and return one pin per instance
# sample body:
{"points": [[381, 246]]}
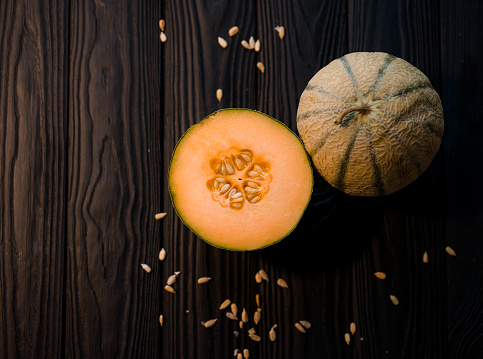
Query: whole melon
{"points": [[371, 122]]}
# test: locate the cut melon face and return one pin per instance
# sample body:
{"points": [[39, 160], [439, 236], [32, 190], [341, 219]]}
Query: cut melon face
{"points": [[240, 179]]}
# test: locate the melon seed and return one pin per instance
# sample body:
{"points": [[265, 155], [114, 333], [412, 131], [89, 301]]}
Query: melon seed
{"points": [[251, 42], [255, 337], [353, 328], [450, 251], [225, 188], [231, 316], [222, 42], [299, 327], [219, 94], [246, 354], [209, 323], [425, 257], [233, 31], [146, 267], [257, 300], [162, 24], [394, 299], [238, 163], [244, 315], [225, 304], [257, 316], [170, 289], [171, 279], [257, 46], [305, 324], [161, 320], [234, 308], [263, 274], [258, 279], [347, 338], [272, 335], [162, 254], [163, 37], [159, 216], [203, 280], [246, 157], [261, 67], [380, 275], [239, 356], [245, 44], [282, 283]]}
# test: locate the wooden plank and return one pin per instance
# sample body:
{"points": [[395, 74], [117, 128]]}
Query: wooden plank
{"points": [[33, 54], [195, 66], [114, 182], [412, 220], [314, 266], [462, 47]]}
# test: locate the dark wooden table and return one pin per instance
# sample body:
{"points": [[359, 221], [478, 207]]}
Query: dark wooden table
{"points": [[92, 104]]}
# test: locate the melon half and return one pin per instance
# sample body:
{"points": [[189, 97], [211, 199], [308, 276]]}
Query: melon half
{"points": [[240, 180]]}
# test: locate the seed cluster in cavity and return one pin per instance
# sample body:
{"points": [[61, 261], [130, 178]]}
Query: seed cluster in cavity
{"points": [[239, 179]]}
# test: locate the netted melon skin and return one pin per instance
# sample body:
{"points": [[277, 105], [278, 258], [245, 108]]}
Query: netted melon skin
{"points": [[371, 122]]}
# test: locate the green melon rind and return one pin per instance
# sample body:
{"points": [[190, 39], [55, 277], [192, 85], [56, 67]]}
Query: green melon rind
{"points": [[173, 195]]}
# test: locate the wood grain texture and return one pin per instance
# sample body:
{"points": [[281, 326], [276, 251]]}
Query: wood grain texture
{"points": [[112, 305], [33, 41], [92, 105], [462, 46]]}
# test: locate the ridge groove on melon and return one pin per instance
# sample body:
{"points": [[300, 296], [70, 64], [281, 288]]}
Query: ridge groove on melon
{"points": [[240, 179], [371, 122]]}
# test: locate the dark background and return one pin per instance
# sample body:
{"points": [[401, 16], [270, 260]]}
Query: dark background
{"points": [[91, 107]]}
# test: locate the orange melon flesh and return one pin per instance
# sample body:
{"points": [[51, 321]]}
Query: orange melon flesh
{"points": [[255, 225]]}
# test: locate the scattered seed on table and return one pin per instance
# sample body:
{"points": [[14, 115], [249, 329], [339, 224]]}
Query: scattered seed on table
{"points": [[231, 316], [239, 356], [305, 324], [234, 308], [159, 216], [450, 251], [162, 254], [299, 327], [257, 300], [222, 42], [353, 328], [163, 37], [261, 67], [281, 31], [146, 267], [236, 333], [263, 274], [380, 275], [171, 279], [251, 42], [425, 257], [240, 324], [170, 289], [246, 353], [162, 24], [225, 304], [233, 31], [245, 44], [258, 279], [219, 94], [282, 283], [177, 273], [257, 316], [272, 335], [347, 338], [244, 315], [251, 331], [258, 46], [255, 337], [161, 320], [203, 280], [209, 323], [394, 299]]}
